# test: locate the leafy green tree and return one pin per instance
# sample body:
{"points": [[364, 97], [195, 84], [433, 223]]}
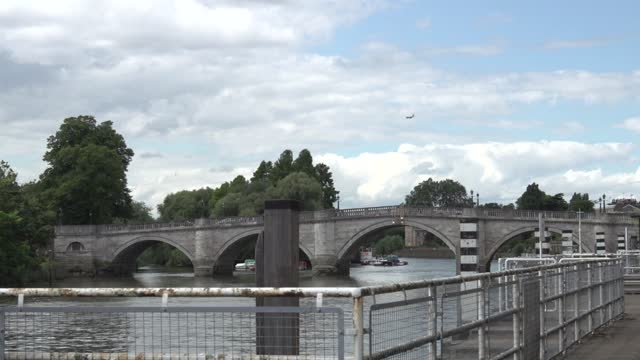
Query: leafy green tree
{"points": [[304, 163], [535, 199], [555, 203], [532, 199], [299, 186], [444, 193], [140, 213], [229, 205], [186, 204], [10, 196], [388, 245], [16, 257], [581, 202], [86, 175], [329, 192], [263, 172], [491, 205], [282, 167]]}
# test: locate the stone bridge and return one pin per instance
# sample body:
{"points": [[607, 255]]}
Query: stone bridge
{"points": [[329, 238]]}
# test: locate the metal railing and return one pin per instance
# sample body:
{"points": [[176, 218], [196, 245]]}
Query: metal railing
{"points": [[535, 312]]}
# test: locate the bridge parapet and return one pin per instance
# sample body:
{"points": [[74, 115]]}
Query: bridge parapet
{"points": [[368, 212]]}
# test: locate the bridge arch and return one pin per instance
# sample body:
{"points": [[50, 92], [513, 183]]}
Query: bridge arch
{"points": [[224, 258], [527, 229], [360, 236], [124, 257]]}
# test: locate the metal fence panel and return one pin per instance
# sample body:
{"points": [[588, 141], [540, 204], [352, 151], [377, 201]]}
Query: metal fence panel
{"points": [[401, 329], [153, 332]]}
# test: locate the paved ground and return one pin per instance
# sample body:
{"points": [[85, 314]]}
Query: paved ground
{"points": [[619, 341]]}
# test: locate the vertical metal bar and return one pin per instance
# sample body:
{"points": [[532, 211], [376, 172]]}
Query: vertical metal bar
{"points": [[433, 320], [561, 305], [358, 326], [601, 294], [543, 339], [340, 335], [481, 316], [590, 298], [2, 330], [516, 317], [576, 313]]}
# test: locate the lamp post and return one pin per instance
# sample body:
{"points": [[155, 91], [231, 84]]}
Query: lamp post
{"points": [[478, 199], [338, 199], [604, 203]]}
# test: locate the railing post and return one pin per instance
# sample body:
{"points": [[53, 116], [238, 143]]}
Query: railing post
{"points": [[561, 304], [601, 294], [590, 298], [2, 329], [576, 312], [481, 316], [358, 327], [433, 321], [543, 339], [516, 317]]}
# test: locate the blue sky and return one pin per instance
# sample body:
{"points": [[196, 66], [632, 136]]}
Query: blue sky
{"points": [[504, 92]]}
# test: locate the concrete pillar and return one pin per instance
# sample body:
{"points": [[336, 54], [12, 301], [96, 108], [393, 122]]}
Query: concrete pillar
{"points": [[277, 266], [326, 260], [468, 246], [567, 242], [203, 264], [601, 246], [546, 244]]}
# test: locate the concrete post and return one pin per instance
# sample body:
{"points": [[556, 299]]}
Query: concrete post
{"points": [[277, 266], [202, 265], [325, 245]]}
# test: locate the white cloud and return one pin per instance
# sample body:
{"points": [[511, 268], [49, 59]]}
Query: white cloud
{"points": [[479, 50], [498, 171], [632, 124]]}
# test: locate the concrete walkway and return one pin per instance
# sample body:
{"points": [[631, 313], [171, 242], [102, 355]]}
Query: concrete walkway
{"points": [[619, 341]]}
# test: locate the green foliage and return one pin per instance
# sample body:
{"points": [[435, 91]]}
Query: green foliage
{"points": [[10, 196], [388, 245], [581, 202], [186, 204], [86, 179], [16, 257], [164, 255], [287, 178], [493, 205], [443, 193], [535, 199], [299, 186]]}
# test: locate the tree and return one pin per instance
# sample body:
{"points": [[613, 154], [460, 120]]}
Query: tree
{"points": [[444, 193], [86, 176], [532, 199], [282, 167], [535, 199], [491, 205], [555, 203], [329, 192], [388, 245], [229, 205], [16, 256], [140, 213], [263, 172], [186, 204], [581, 202], [10, 196], [299, 186], [304, 163]]}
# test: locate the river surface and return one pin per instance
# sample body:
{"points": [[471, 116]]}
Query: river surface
{"points": [[205, 331]]}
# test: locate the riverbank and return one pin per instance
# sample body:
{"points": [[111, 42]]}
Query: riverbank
{"points": [[426, 253]]}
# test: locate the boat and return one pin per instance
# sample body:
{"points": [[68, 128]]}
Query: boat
{"points": [[366, 256], [247, 265], [390, 260]]}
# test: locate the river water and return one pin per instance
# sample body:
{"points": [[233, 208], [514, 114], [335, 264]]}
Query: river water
{"points": [[193, 332]]}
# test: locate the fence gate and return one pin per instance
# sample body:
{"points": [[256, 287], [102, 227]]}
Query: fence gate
{"points": [[531, 319]]}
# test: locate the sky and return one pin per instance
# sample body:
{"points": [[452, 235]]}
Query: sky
{"points": [[504, 93]]}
